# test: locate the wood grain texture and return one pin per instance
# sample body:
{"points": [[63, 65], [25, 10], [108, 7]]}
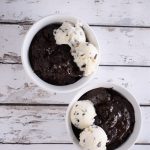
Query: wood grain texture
{"points": [[56, 147], [120, 12], [119, 46], [11, 38], [16, 87], [46, 124], [29, 124]]}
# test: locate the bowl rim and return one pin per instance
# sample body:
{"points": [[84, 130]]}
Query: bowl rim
{"points": [[138, 118], [25, 53]]}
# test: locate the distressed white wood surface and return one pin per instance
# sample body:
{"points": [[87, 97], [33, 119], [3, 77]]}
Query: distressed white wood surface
{"points": [[119, 46], [46, 124], [56, 147], [16, 87], [28, 124], [106, 12]]}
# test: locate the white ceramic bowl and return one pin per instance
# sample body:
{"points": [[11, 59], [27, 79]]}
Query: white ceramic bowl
{"points": [[25, 53], [131, 140]]}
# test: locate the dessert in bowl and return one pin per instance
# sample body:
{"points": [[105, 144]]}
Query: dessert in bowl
{"points": [[60, 53], [103, 116]]}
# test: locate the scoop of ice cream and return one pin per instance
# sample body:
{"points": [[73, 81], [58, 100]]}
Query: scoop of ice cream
{"points": [[70, 34], [85, 56], [82, 114], [93, 138]]}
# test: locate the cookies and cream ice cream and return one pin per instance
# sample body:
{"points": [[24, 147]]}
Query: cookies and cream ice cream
{"points": [[68, 33], [82, 114], [93, 138], [84, 53], [85, 56]]}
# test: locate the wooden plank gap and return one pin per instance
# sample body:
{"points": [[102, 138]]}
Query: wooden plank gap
{"points": [[92, 25], [27, 104]]}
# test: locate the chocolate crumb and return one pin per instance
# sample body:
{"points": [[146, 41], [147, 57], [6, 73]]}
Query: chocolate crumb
{"points": [[95, 56], [83, 66], [99, 144], [54, 32], [73, 51], [78, 120], [87, 44]]}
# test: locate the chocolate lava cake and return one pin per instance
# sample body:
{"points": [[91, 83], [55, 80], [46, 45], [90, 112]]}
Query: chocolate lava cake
{"points": [[115, 114], [51, 62]]}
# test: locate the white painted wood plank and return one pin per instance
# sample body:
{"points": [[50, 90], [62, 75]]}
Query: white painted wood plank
{"points": [[11, 38], [119, 46], [46, 124], [124, 46], [56, 147], [16, 87], [30, 124], [120, 12]]}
